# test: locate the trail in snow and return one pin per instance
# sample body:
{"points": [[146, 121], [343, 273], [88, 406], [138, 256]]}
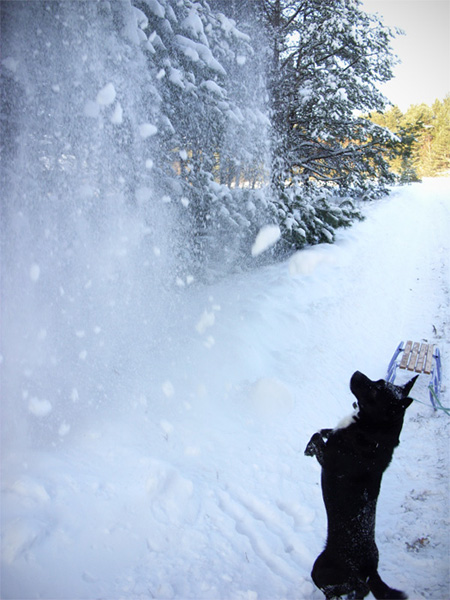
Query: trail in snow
{"points": [[194, 484]]}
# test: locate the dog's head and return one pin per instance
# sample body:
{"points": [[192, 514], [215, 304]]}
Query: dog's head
{"points": [[379, 400]]}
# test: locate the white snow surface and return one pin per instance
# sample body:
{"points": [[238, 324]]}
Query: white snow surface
{"points": [[195, 485]]}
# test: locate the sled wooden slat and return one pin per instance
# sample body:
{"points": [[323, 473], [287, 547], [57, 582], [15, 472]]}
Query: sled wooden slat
{"points": [[429, 360], [406, 353], [413, 359], [421, 359]]}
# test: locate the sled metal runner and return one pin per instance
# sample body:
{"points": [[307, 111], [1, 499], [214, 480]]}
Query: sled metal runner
{"points": [[418, 357]]}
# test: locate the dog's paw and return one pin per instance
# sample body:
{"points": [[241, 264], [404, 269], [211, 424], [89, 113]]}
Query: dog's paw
{"points": [[311, 448], [325, 433]]}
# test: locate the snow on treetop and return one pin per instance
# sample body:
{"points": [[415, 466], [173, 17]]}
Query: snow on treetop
{"points": [[186, 46], [156, 8], [193, 23], [141, 18], [212, 87], [229, 26]]}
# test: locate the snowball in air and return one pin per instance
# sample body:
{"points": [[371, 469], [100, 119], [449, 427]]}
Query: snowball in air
{"points": [[106, 95], [146, 130], [266, 238], [35, 272], [39, 408]]}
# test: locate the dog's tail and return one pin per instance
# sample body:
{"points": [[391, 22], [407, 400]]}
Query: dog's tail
{"points": [[382, 591]]}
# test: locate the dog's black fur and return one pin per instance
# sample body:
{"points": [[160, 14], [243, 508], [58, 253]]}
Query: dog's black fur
{"points": [[353, 459]]}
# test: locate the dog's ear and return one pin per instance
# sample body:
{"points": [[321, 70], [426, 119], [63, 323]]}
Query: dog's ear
{"points": [[408, 386], [407, 402]]}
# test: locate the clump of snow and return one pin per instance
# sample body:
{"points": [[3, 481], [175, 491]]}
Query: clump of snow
{"points": [[64, 429], [35, 272], [38, 407], [10, 63], [91, 109], [196, 50], [156, 8], [193, 22], [117, 116], [168, 389], [106, 95], [213, 87], [147, 130], [266, 238], [206, 321]]}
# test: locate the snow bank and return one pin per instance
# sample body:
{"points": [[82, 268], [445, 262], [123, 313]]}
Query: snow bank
{"points": [[190, 480]]}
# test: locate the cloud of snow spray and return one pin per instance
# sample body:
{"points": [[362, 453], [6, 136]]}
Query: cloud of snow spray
{"points": [[85, 238]]}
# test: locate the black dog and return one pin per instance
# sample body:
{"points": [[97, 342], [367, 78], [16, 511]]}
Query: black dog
{"points": [[353, 459]]}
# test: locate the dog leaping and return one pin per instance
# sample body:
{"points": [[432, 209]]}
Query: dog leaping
{"points": [[353, 458]]}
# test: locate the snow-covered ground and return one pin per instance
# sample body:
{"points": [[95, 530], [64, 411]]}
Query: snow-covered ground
{"points": [[188, 479]]}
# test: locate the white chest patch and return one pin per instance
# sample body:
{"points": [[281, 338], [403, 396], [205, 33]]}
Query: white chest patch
{"points": [[348, 420]]}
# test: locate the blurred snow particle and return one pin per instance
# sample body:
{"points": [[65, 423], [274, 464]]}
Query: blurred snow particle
{"points": [[183, 155], [168, 389], [117, 116], [63, 429], [160, 74], [91, 109], [166, 427], [82, 355], [241, 60], [156, 251], [39, 408], [35, 272], [209, 342], [184, 201], [149, 163], [266, 238], [146, 130], [106, 95], [56, 88], [10, 64], [143, 194], [206, 320]]}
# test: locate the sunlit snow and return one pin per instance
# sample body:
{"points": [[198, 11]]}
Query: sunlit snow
{"points": [[153, 425]]}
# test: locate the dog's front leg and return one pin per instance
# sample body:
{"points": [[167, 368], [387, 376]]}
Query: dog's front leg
{"points": [[316, 445]]}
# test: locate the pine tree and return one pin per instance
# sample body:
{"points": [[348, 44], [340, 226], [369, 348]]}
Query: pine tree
{"points": [[327, 60]]}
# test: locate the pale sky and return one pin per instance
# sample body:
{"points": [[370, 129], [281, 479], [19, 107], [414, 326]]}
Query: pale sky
{"points": [[424, 74]]}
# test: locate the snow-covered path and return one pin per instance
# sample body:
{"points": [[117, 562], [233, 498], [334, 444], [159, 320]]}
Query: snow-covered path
{"points": [[191, 482]]}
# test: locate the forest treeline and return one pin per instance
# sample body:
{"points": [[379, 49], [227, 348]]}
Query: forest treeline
{"points": [[260, 115], [235, 113], [424, 136]]}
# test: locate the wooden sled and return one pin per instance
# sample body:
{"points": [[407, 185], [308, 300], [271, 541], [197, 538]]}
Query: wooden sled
{"points": [[418, 358]]}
